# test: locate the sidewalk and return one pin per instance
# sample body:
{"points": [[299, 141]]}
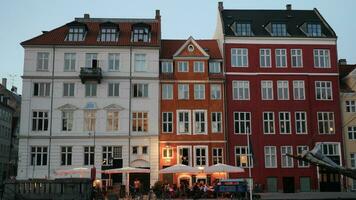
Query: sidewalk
{"points": [[309, 195]]}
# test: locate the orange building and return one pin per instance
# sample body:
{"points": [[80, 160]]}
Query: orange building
{"points": [[192, 107]]}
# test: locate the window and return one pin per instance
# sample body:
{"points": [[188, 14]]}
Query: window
{"points": [[113, 89], [300, 150], [69, 62], [184, 155], [66, 155], [284, 123], [323, 90], [242, 122], [296, 57], [89, 120], [167, 91], [89, 155], [215, 91], [39, 155], [134, 149], [241, 90], [314, 30], [286, 161], [144, 149], [183, 119], [112, 121], [167, 67], [326, 123], [111, 153], [140, 62], [217, 156], [67, 120], [90, 89], [321, 58], [298, 90], [42, 61], [167, 122], [267, 90], [39, 121], [108, 34], [199, 91], [279, 29], [183, 66], [141, 34], [350, 106], [214, 67], [200, 122], [243, 29], [243, 157], [201, 156], [270, 157], [353, 160], [351, 131], [281, 58], [89, 57], [76, 34], [216, 122], [239, 57], [265, 57], [183, 91], [140, 90], [330, 149], [167, 153], [140, 121], [198, 66], [283, 90], [68, 89], [301, 122], [41, 89], [114, 62], [268, 122]]}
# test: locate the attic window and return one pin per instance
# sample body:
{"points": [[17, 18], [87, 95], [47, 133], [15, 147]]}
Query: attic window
{"points": [[243, 29], [279, 29], [190, 48], [76, 34], [108, 34], [141, 33], [314, 30]]}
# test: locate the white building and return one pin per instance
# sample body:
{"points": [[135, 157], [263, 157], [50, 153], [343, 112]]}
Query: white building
{"points": [[72, 105]]}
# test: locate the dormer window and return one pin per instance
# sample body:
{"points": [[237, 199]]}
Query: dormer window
{"points": [[279, 29], [141, 33], [109, 32], [314, 30], [243, 29], [76, 34]]}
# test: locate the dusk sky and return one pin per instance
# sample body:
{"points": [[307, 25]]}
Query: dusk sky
{"points": [[24, 19]]}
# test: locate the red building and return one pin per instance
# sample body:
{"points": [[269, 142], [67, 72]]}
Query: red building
{"points": [[192, 107], [281, 88]]}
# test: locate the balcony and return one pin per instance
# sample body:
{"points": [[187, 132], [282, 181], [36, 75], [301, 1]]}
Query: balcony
{"points": [[90, 74]]}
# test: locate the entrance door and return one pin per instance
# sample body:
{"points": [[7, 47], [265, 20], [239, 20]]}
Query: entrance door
{"points": [[201, 180], [144, 179], [330, 182], [288, 184], [305, 184], [184, 181], [271, 184]]}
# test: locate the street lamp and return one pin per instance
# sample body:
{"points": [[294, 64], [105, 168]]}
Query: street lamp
{"points": [[249, 159]]}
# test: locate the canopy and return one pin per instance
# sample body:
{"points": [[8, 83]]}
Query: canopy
{"points": [[126, 170], [223, 168], [179, 168], [77, 170]]}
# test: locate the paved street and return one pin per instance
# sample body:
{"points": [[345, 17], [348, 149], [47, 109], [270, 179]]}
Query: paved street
{"points": [[310, 195]]}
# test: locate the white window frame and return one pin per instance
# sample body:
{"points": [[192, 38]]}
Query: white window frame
{"points": [[299, 121], [296, 56], [167, 67], [330, 123], [89, 57], [183, 66], [91, 89], [244, 122], [298, 90], [215, 91], [69, 62], [350, 106], [167, 91], [169, 153], [199, 91], [188, 122], [67, 120], [191, 157], [247, 154], [322, 58], [267, 86], [241, 87], [90, 151], [285, 121], [265, 58], [269, 121], [239, 54], [166, 122], [43, 89], [112, 120], [39, 151], [283, 90], [140, 62], [206, 155], [214, 67], [89, 120], [269, 156], [216, 156], [281, 58], [195, 122], [39, 119], [141, 90], [353, 160], [286, 161], [140, 120], [183, 91], [113, 89], [199, 67], [351, 132], [42, 61], [325, 89], [70, 88], [217, 123], [67, 152], [114, 62], [300, 149]]}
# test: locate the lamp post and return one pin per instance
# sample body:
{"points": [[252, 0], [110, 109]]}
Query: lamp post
{"points": [[249, 160]]}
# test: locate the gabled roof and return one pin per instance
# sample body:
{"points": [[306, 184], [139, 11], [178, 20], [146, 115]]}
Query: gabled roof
{"points": [[171, 47], [344, 71], [191, 41], [259, 19], [57, 36]]}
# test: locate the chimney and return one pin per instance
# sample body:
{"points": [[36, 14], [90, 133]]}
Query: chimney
{"points": [[342, 62], [220, 6], [289, 6], [86, 16], [158, 15], [4, 80]]}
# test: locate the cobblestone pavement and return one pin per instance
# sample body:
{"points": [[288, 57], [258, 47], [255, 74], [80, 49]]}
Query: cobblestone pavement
{"points": [[310, 195]]}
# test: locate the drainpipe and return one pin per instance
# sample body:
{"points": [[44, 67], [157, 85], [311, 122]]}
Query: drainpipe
{"points": [[130, 110], [51, 115]]}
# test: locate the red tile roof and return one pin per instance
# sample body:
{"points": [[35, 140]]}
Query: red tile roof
{"points": [[169, 47], [58, 35]]}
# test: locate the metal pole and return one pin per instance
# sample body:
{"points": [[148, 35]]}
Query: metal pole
{"points": [[249, 161]]}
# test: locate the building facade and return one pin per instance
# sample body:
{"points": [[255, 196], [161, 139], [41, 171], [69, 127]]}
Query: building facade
{"points": [[86, 87], [348, 109], [192, 107], [282, 90]]}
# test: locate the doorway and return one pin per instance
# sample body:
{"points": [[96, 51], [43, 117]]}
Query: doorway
{"points": [[185, 180], [288, 185]]}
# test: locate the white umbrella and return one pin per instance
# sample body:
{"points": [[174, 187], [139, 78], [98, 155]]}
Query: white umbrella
{"points": [[221, 168], [179, 168]]}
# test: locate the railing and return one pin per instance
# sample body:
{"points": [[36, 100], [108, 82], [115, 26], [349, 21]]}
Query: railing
{"points": [[90, 74]]}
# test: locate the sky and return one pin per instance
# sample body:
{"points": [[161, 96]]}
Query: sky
{"points": [[23, 19]]}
